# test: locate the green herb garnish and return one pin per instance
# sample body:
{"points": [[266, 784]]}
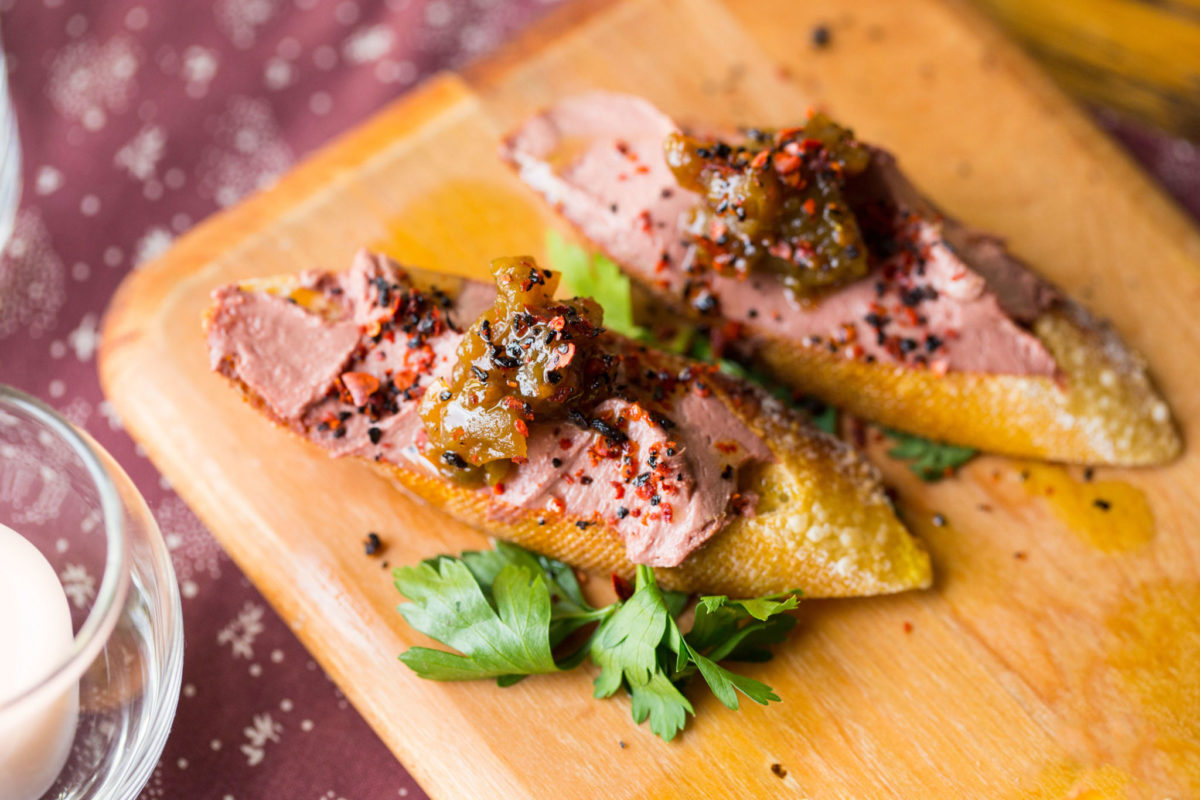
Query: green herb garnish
{"points": [[930, 460], [510, 613]]}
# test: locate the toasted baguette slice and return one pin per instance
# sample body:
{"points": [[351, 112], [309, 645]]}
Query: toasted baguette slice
{"points": [[1090, 401], [1105, 410], [823, 523]]}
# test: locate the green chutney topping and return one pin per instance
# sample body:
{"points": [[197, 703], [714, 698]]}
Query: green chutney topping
{"points": [[527, 357], [775, 203]]}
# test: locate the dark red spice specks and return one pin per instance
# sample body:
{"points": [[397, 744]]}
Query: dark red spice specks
{"points": [[622, 587]]}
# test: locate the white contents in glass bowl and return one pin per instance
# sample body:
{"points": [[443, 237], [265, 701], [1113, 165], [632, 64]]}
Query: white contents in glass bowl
{"points": [[36, 636]]}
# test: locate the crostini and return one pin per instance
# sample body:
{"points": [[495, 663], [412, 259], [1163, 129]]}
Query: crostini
{"points": [[520, 415], [814, 252]]}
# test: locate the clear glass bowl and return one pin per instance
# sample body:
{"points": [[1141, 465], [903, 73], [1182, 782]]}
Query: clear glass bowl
{"points": [[62, 492]]}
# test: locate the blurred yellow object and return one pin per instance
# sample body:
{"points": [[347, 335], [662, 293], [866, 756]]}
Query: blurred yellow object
{"points": [[1141, 58]]}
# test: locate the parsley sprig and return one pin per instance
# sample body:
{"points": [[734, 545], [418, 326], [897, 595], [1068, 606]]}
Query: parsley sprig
{"points": [[929, 460], [510, 613]]}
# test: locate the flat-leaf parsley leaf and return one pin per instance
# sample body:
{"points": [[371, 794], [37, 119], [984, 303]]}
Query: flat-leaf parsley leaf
{"points": [[930, 460], [508, 611]]}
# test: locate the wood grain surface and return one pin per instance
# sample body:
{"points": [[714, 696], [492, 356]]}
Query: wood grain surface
{"points": [[1057, 656]]}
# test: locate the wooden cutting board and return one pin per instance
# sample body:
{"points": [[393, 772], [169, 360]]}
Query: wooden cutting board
{"points": [[1059, 651]]}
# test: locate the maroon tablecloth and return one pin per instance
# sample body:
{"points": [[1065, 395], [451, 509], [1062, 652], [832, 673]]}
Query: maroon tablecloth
{"points": [[138, 119]]}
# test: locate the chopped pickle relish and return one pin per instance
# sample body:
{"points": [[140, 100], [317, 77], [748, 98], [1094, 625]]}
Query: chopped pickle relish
{"points": [[527, 357], [775, 203]]}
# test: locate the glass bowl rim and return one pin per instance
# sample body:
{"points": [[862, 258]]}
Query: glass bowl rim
{"points": [[114, 585]]}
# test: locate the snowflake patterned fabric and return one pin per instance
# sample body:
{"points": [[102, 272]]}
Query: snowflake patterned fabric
{"points": [[139, 118]]}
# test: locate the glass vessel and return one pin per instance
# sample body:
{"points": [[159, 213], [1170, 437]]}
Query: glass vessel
{"points": [[66, 496]]}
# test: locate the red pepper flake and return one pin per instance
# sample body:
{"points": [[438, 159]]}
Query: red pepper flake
{"points": [[810, 206], [564, 443], [642, 169], [627, 469], [563, 355], [556, 505], [521, 427], [908, 627], [786, 163], [420, 360], [667, 512], [618, 489], [644, 221], [360, 385], [726, 446], [739, 503], [781, 250], [760, 160], [498, 488]]}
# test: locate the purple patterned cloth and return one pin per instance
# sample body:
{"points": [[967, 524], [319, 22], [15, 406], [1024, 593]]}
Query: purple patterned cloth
{"points": [[138, 119]]}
